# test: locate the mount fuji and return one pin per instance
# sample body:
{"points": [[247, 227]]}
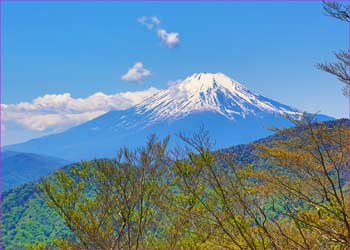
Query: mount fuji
{"points": [[227, 109]]}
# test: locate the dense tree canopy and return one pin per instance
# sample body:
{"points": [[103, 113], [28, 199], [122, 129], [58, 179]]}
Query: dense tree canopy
{"points": [[194, 198]]}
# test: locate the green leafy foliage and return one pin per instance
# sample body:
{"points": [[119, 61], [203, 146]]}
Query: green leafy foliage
{"points": [[195, 199], [27, 219]]}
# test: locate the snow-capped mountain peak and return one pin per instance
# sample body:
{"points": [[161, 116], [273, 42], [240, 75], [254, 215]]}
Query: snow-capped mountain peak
{"points": [[228, 110], [209, 92], [204, 81]]}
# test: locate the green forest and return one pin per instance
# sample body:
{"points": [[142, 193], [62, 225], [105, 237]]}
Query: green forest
{"points": [[287, 191]]}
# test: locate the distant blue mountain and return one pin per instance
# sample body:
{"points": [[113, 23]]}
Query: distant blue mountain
{"points": [[227, 109], [19, 168]]}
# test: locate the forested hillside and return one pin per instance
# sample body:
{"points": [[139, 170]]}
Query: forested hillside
{"points": [[191, 221], [19, 168]]}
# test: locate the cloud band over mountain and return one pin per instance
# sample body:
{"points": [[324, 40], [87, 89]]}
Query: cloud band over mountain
{"points": [[59, 112]]}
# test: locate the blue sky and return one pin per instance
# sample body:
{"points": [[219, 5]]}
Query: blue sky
{"points": [[84, 47]]}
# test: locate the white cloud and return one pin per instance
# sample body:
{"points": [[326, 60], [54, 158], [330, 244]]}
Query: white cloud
{"points": [[149, 22], [171, 39], [155, 20], [54, 113], [137, 73]]}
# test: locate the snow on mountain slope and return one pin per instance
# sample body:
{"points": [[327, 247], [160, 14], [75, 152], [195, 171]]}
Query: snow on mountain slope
{"points": [[198, 93], [209, 92], [232, 114]]}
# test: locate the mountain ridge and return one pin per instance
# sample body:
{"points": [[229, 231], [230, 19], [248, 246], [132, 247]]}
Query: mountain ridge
{"points": [[19, 168], [210, 92], [231, 112]]}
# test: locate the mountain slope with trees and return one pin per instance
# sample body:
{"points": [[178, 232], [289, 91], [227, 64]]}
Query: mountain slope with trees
{"points": [[19, 168], [27, 218]]}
